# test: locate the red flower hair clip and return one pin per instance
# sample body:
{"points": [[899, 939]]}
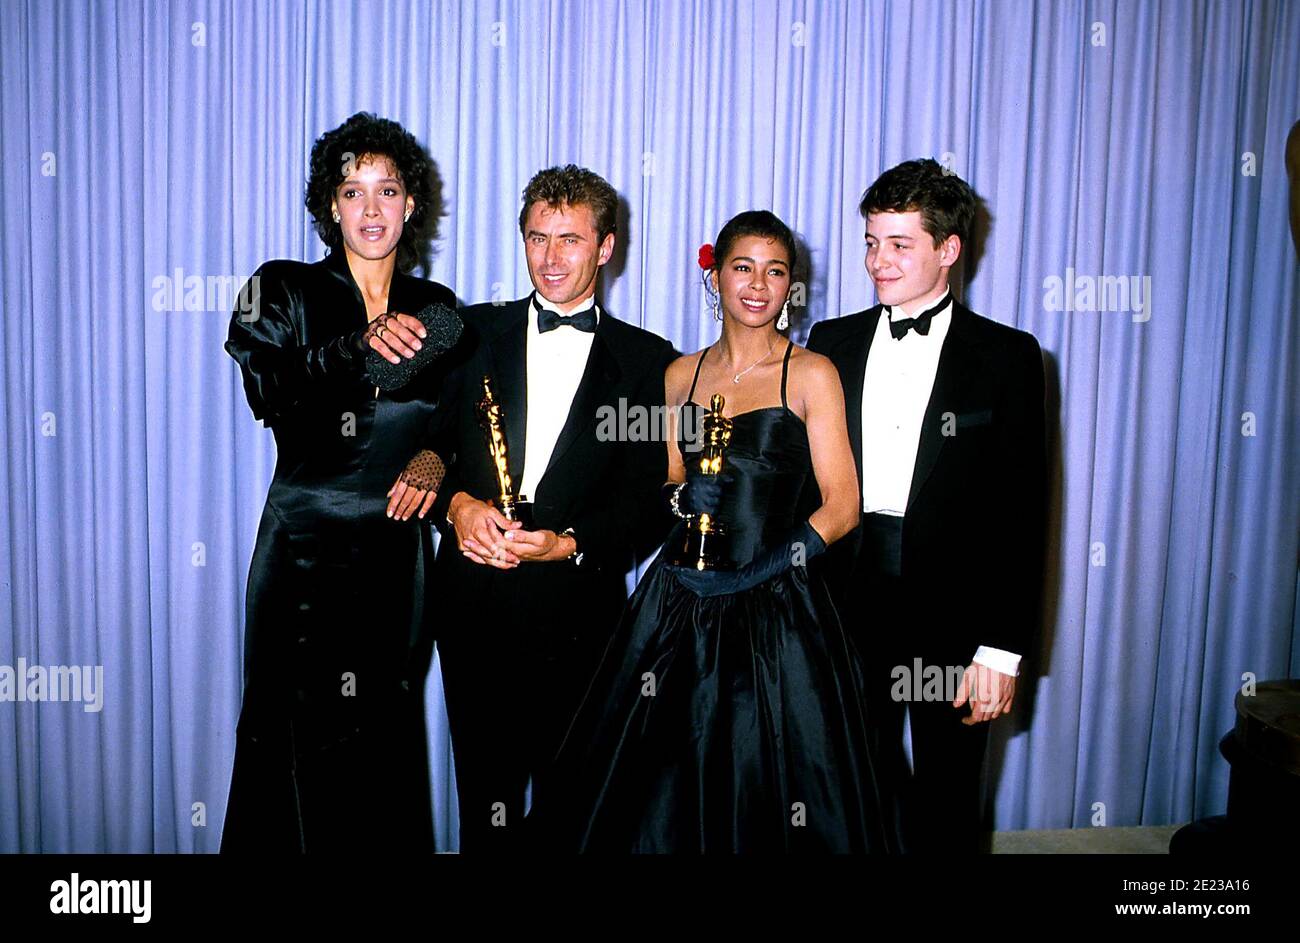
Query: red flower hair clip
{"points": [[706, 256]]}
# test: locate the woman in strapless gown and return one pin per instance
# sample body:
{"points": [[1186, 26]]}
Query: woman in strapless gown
{"points": [[727, 714]]}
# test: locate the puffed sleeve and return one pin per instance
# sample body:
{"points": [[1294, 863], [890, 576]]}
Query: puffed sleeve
{"points": [[280, 374]]}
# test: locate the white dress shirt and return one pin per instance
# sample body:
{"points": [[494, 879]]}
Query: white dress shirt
{"points": [[555, 362], [896, 390]]}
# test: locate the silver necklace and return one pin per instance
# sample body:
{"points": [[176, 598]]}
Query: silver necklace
{"points": [[736, 378]]}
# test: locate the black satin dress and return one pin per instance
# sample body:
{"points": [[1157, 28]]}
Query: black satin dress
{"points": [[730, 723], [330, 750]]}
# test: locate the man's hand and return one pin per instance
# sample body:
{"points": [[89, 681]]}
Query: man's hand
{"points": [[990, 693], [540, 546], [481, 530]]}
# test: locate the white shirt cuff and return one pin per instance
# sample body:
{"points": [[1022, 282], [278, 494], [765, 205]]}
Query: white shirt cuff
{"points": [[999, 660]]}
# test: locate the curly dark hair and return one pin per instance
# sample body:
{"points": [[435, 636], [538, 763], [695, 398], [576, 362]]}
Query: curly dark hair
{"points": [[572, 185], [367, 134], [945, 201]]}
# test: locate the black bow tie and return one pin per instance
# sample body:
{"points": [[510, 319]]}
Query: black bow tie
{"points": [[548, 320], [920, 323]]}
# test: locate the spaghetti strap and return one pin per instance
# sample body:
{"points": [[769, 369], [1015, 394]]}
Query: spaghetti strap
{"points": [[699, 363], [785, 371]]}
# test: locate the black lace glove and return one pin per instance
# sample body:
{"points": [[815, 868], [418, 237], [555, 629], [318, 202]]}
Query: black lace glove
{"points": [[425, 471], [802, 545], [359, 341], [417, 486]]}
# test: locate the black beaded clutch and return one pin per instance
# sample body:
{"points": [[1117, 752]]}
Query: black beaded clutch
{"points": [[444, 327]]}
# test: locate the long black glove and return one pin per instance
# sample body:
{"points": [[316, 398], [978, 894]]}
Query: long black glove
{"points": [[797, 549], [701, 494]]}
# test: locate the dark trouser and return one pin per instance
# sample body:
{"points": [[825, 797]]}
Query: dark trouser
{"points": [[892, 623], [508, 711]]}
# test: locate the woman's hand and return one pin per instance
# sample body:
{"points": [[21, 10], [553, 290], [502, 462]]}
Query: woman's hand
{"points": [[702, 494], [417, 486], [393, 336]]}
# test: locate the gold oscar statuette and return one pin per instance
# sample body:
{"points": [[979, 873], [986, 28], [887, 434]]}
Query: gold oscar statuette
{"points": [[705, 546], [512, 506]]}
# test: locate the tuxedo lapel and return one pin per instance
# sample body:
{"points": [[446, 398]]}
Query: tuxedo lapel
{"points": [[598, 378], [956, 362], [509, 371], [853, 354]]}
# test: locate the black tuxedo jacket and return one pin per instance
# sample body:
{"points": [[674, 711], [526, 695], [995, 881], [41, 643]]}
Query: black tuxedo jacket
{"points": [[972, 553], [604, 487]]}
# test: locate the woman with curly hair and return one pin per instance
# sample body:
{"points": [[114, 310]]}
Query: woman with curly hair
{"points": [[330, 748]]}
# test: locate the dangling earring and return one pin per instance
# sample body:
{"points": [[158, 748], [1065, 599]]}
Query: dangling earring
{"points": [[784, 320], [406, 218], [337, 217], [717, 312]]}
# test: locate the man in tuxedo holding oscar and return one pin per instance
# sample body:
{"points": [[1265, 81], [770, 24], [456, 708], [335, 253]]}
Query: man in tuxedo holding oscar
{"points": [[526, 607], [945, 413]]}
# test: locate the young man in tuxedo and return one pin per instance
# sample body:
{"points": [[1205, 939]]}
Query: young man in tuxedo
{"points": [[524, 614], [941, 581]]}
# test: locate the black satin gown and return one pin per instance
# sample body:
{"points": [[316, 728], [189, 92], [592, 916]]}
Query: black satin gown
{"points": [[730, 723], [330, 749]]}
